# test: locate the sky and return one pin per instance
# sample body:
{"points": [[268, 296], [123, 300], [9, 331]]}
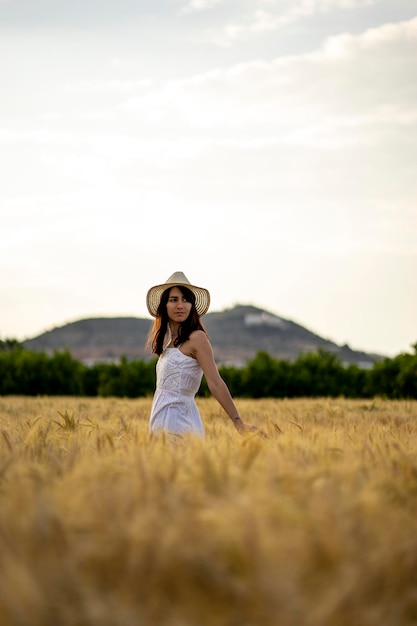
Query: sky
{"points": [[265, 148]]}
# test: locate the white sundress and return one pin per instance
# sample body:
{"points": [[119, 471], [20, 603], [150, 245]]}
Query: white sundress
{"points": [[174, 411]]}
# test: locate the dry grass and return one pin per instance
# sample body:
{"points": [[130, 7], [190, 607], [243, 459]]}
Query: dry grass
{"points": [[315, 526]]}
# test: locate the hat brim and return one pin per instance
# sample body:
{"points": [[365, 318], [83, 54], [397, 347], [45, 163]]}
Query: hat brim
{"points": [[153, 297]]}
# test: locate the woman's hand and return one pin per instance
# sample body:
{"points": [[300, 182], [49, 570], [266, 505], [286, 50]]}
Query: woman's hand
{"points": [[242, 428]]}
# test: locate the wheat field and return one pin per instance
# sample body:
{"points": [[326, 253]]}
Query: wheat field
{"points": [[313, 526]]}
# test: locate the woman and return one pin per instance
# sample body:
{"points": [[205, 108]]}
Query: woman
{"points": [[179, 339]]}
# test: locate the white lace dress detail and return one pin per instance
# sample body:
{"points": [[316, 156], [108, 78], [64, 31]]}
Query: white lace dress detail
{"points": [[174, 409]]}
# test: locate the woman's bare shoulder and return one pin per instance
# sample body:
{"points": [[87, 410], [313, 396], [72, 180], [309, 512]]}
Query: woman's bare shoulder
{"points": [[202, 350], [199, 337], [200, 343]]}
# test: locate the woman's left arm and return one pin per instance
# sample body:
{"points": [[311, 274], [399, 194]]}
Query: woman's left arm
{"points": [[203, 352]]}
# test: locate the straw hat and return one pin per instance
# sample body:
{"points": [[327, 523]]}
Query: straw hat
{"points": [[178, 279]]}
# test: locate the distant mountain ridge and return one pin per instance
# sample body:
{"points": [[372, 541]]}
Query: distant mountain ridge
{"points": [[236, 334]]}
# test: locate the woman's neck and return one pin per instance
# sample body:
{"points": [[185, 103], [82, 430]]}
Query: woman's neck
{"points": [[174, 329]]}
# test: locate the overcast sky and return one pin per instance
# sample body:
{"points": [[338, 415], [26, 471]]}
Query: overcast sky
{"points": [[266, 148]]}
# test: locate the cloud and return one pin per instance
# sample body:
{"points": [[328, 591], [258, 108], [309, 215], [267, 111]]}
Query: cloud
{"points": [[248, 19], [355, 90], [331, 132], [354, 93], [286, 13], [351, 82], [299, 128], [199, 5]]}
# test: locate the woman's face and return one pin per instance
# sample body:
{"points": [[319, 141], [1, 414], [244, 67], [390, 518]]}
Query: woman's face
{"points": [[178, 307]]}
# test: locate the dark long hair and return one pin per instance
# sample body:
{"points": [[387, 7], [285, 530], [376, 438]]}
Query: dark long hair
{"points": [[159, 328]]}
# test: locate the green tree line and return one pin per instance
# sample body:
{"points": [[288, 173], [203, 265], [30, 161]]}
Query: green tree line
{"points": [[318, 374]]}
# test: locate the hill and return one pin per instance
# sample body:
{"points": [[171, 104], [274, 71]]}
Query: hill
{"points": [[236, 334]]}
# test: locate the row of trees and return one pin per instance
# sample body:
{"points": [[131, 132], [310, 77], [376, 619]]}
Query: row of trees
{"points": [[312, 375]]}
